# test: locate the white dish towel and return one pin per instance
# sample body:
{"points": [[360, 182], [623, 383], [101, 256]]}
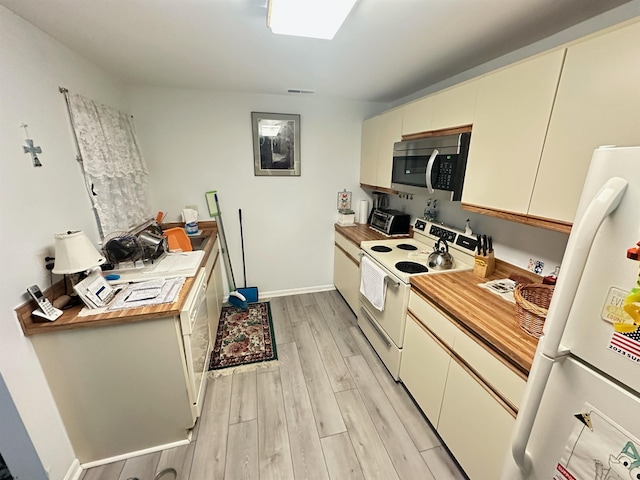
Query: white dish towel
{"points": [[372, 284]]}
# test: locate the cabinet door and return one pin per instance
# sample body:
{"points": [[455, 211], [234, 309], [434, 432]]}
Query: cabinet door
{"points": [[474, 425], [511, 119], [215, 289], [417, 116], [346, 277], [598, 103], [455, 106], [369, 151], [390, 132], [423, 368]]}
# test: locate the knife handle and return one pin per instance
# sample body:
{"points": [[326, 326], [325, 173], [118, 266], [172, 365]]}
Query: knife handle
{"points": [[479, 244], [484, 245], [490, 244]]}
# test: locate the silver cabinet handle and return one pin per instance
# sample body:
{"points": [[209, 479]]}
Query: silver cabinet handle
{"points": [[381, 334], [432, 159]]}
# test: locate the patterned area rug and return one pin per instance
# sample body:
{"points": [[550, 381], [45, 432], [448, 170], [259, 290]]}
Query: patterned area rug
{"points": [[244, 337]]}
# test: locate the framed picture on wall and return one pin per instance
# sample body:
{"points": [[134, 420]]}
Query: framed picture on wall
{"points": [[276, 144]]}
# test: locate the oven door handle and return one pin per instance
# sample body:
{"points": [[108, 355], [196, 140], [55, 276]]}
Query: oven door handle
{"points": [[430, 163], [391, 282], [379, 331]]}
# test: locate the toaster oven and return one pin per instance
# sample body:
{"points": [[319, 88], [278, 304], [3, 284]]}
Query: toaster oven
{"points": [[390, 222]]}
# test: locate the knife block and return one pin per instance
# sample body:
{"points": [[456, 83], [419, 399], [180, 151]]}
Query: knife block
{"points": [[484, 265]]}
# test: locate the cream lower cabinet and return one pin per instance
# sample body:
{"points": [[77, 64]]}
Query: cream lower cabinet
{"points": [[468, 395], [378, 136], [426, 385], [598, 103], [346, 270], [510, 123], [215, 288], [476, 428], [119, 388]]}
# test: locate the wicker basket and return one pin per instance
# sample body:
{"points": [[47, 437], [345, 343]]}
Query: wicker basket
{"points": [[532, 302]]}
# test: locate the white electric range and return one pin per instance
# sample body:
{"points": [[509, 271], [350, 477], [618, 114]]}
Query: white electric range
{"points": [[400, 259]]}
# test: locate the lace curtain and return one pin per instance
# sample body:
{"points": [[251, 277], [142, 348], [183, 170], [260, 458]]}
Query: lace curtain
{"points": [[114, 169]]}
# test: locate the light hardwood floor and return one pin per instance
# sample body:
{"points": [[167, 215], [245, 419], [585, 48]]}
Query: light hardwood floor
{"points": [[326, 409]]}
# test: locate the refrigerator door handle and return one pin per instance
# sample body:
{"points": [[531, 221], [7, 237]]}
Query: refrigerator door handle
{"points": [[582, 236], [527, 414], [549, 351]]}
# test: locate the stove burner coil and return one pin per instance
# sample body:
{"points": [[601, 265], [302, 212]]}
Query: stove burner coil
{"points": [[380, 248], [406, 246], [411, 267]]}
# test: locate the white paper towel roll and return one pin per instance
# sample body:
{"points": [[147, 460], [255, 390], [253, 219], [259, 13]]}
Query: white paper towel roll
{"points": [[363, 211]]}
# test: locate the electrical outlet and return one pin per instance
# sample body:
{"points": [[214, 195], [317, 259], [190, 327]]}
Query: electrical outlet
{"points": [[45, 258], [535, 266]]}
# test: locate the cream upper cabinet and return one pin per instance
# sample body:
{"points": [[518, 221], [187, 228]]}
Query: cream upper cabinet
{"points": [[448, 108], [417, 116], [598, 103], [455, 106], [369, 151], [378, 136], [510, 123], [390, 132]]}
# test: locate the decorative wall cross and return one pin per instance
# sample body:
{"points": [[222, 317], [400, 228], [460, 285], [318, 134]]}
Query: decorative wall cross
{"points": [[30, 148]]}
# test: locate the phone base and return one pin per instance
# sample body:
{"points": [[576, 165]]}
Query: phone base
{"points": [[40, 316]]}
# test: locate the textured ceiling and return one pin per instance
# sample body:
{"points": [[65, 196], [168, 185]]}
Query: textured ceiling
{"points": [[386, 49]]}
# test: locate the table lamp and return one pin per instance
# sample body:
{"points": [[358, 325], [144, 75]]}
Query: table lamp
{"points": [[74, 254]]}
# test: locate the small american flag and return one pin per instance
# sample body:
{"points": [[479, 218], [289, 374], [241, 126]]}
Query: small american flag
{"points": [[626, 344]]}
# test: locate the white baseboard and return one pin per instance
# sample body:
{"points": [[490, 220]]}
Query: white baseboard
{"points": [[137, 453], [292, 291], [296, 291], [74, 472]]}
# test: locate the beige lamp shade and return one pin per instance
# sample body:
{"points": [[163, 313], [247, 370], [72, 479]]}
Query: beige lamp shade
{"points": [[75, 253]]}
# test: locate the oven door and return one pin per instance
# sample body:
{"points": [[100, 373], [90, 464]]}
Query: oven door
{"points": [[194, 318], [392, 318], [385, 330]]}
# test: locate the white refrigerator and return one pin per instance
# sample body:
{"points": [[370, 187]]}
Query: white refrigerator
{"points": [[580, 416]]}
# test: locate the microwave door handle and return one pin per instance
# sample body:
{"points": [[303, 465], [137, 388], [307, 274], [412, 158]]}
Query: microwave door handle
{"points": [[430, 163]]}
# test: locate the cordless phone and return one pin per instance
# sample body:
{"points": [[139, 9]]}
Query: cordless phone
{"points": [[46, 310]]}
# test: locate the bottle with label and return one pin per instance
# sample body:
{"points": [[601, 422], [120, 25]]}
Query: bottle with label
{"points": [[552, 278]]}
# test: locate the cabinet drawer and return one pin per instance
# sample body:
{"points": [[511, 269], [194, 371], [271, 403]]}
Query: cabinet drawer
{"points": [[388, 352], [423, 369], [348, 246], [500, 377], [432, 319]]}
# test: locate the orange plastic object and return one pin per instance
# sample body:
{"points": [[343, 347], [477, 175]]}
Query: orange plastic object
{"points": [[178, 239]]}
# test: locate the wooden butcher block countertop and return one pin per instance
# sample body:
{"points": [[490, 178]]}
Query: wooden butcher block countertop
{"points": [[361, 232], [484, 315], [70, 320]]}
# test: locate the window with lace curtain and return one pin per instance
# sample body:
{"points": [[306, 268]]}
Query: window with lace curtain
{"points": [[114, 170]]}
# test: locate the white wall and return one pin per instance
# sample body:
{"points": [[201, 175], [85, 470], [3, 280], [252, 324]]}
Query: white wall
{"points": [[38, 202], [513, 242], [196, 141]]}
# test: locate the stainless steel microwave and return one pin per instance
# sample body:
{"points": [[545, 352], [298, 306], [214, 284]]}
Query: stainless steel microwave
{"points": [[429, 164]]}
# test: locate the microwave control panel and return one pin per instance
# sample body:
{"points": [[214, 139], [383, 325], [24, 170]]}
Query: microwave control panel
{"points": [[444, 174]]}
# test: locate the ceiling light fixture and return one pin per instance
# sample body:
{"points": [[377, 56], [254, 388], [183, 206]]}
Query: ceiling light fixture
{"points": [[308, 18]]}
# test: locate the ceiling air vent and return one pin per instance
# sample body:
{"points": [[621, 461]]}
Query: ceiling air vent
{"points": [[298, 90]]}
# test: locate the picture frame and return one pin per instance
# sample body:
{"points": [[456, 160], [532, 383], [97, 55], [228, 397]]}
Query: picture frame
{"points": [[276, 144]]}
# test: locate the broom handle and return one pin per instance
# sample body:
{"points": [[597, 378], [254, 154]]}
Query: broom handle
{"points": [[244, 270], [225, 249]]}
